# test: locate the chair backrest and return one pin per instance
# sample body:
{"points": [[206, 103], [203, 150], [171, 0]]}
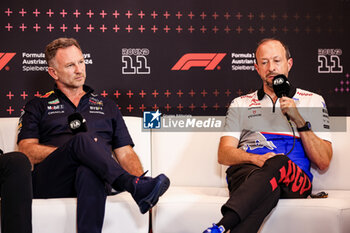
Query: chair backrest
{"points": [[190, 158], [338, 173], [8, 133], [142, 140]]}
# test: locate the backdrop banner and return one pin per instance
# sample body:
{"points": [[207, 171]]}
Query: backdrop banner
{"points": [[186, 57]]}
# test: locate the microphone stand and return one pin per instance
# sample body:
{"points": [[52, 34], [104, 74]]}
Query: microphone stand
{"points": [[291, 126], [281, 87]]}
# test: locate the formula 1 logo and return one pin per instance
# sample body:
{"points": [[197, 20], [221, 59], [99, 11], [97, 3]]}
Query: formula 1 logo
{"points": [[5, 58], [207, 60], [135, 61], [329, 61]]}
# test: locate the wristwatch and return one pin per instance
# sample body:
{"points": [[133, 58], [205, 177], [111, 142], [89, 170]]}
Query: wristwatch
{"points": [[306, 127]]}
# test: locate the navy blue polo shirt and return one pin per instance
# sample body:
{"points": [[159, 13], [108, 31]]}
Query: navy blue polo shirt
{"points": [[46, 118]]}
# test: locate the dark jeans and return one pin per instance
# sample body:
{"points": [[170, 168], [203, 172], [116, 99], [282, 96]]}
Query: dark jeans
{"points": [[80, 168], [16, 193], [255, 191]]}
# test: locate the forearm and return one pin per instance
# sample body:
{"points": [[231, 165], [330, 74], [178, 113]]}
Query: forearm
{"points": [[318, 151], [129, 160], [231, 156], [131, 163], [35, 152]]}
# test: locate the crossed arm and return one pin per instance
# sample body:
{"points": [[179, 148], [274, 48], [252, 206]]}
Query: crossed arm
{"points": [[37, 152], [229, 154], [319, 151]]}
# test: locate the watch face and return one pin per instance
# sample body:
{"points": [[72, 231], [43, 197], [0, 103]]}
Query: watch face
{"points": [[306, 127], [308, 124]]}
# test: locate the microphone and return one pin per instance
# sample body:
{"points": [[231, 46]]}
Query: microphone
{"points": [[281, 87], [77, 123]]}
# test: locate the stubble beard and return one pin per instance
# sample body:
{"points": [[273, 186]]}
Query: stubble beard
{"points": [[268, 84]]}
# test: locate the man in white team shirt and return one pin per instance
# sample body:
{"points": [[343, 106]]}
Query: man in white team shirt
{"points": [[257, 144]]}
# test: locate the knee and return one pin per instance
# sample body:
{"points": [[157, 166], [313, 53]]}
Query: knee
{"points": [[277, 161], [18, 161], [85, 172], [81, 140]]}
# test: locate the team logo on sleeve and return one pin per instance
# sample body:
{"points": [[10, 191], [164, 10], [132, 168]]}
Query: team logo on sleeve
{"points": [[47, 94], [326, 123], [20, 125]]}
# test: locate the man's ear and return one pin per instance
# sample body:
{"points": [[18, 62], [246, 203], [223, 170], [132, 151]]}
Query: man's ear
{"points": [[256, 68], [52, 72], [290, 63]]}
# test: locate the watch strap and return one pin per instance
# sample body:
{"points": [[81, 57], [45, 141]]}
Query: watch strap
{"points": [[306, 127]]}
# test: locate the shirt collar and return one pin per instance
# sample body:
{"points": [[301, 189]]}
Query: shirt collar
{"points": [[86, 88], [261, 92]]}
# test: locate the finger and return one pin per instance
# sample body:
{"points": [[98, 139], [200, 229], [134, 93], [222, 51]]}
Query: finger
{"points": [[284, 99], [280, 154]]}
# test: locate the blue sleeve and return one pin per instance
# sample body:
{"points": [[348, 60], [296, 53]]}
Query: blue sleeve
{"points": [[28, 126], [121, 136]]}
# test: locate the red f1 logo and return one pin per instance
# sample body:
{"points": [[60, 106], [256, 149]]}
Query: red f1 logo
{"points": [[207, 60], [5, 58]]}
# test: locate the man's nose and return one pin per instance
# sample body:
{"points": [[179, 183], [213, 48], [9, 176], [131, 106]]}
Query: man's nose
{"points": [[272, 67], [78, 68]]}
